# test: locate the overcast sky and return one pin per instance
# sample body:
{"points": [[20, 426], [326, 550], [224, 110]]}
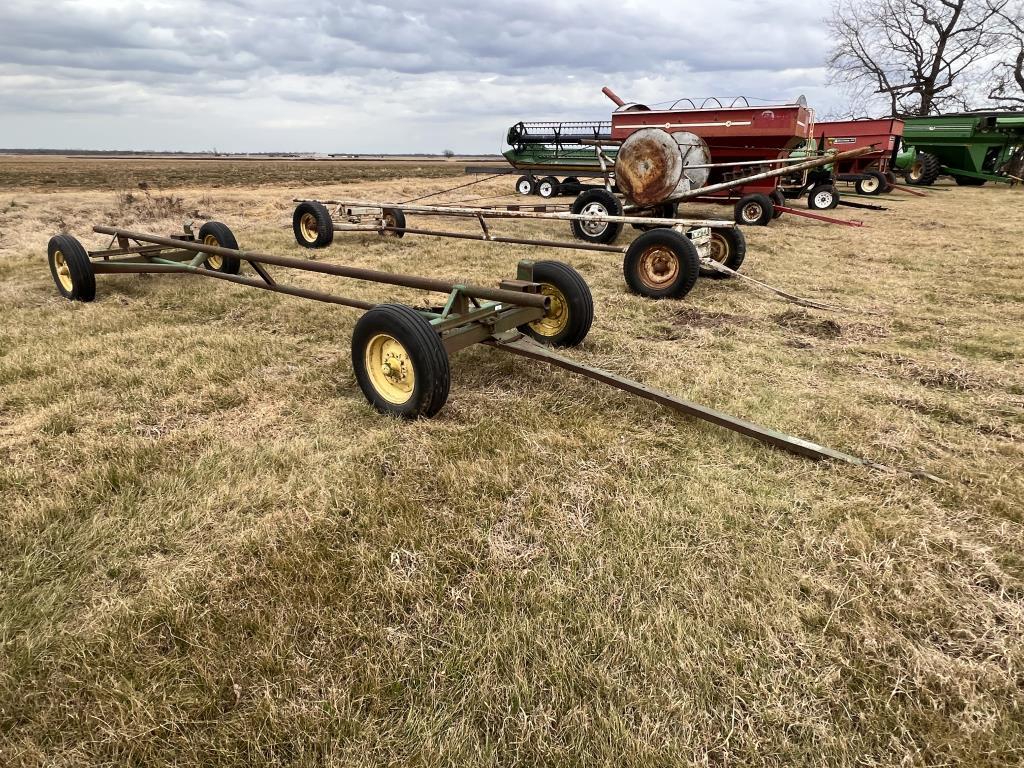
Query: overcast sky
{"points": [[396, 76]]}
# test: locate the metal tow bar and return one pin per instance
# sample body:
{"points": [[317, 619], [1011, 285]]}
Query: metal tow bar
{"points": [[527, 348]]}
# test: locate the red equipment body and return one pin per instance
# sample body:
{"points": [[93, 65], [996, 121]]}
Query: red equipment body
{"points": [[844, 135], [734, 134]]}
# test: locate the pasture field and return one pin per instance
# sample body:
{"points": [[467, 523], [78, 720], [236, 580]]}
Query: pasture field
{"points": [[214, 552]]}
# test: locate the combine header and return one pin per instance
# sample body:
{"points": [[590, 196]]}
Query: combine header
{"points": [[972, 147]]}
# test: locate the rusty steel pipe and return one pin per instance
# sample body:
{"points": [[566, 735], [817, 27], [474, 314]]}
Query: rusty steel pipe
{"points": [[303, 293], [613, 96], [537, 301], [576, 246]]}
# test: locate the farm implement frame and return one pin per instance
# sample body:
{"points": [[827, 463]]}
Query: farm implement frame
{"points": [[663, 262], [400, 353]]}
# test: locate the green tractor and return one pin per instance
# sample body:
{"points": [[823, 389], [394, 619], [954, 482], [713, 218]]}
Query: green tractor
{"points": [[972, 147]]}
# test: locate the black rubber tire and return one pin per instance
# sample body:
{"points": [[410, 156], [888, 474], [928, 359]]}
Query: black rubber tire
{"points": [[525, 185], [968, 181], [734, 242], [823, 197], [221, 235], [755, 210], [679, 246], [77, 265], [570, 186], [890, 181], [324, 225], [925, 171], [779, 201], [597, 199], [393, 217], [548, 187], [572, 297], [874, 185], [426, 353], [663, 211]]}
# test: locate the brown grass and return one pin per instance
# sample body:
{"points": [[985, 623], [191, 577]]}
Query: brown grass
{"points": [[213, 552]]}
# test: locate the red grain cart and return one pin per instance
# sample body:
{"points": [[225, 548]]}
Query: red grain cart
{"points": [[872, 173], [740, 137]]}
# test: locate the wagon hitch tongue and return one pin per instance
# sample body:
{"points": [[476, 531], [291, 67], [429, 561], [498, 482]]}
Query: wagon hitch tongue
{"points": [[520, 345]]}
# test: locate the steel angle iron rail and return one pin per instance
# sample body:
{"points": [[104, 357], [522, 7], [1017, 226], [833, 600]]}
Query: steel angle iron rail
{"points": [[536, 306]]}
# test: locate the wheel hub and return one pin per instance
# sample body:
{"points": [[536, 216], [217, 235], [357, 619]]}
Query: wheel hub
{"points": [[213, 261], [752, 212], [308, 227], [591, 227], [63, 273], [823, 199], [390, 369], [658, 267], [719, 248], [557, 317]]}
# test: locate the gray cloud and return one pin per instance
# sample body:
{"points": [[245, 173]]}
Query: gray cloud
{"points": [[411, 75]]}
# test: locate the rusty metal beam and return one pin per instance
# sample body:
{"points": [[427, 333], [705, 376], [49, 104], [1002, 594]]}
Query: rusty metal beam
{"points": [[407, 281]]}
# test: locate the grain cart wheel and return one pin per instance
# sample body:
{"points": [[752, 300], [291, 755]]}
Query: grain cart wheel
{"points": [[663, 211], [728, 247], [393, 217], [823, 198], [597, 202], [71, 268], [570, 186], [755, 210], [890, 181], [312, 225], [779, 201], [215, 233], [525, 185], [548, 187], [968, 181], [924, 171], [874, 184], [399, 361], [661, 264], [568, 320]]}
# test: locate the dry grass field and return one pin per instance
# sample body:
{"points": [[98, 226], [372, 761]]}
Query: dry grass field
{"points": [[214, 552]]}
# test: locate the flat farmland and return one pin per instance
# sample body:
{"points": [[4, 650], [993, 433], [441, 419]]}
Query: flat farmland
{"points": [[214, 551]]}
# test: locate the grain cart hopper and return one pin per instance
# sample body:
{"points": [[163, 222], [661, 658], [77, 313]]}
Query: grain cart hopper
{"points": [[871, 173], [972, 147]]}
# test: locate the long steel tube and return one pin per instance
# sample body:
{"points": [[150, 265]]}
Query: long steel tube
{"points": [[535, 300], [576, 246]]}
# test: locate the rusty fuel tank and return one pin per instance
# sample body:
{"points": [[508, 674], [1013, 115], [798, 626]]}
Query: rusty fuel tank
{"points": [[653, 165]]}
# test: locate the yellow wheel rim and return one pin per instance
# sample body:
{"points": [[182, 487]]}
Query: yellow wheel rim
{"points": [[917, 171], [389, 220], [659, 267], [63, 273], [212, 260], [390, 369], [308, 227], [556, 318], [719, 248]]}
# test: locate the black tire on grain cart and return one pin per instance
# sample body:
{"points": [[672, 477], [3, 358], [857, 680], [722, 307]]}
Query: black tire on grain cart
{"points": [[598, 202], [661, 264], [890, 182], [525, 185], [824, 197], [393, 217], [71, 268], [215, 233], [874, 184], [312, 225], [399, 362], [755, 210], [548, 187], [728, 247], [663, 211], [568, 320], [968, 181], [779, 201], [570, 186], [925, 170]]}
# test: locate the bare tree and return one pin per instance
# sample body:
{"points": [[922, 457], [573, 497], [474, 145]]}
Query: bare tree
{"points": [[1008, 75], [917, 55]]}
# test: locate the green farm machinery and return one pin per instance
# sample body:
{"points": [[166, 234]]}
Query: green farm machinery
{"points": [[972, 147]]}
